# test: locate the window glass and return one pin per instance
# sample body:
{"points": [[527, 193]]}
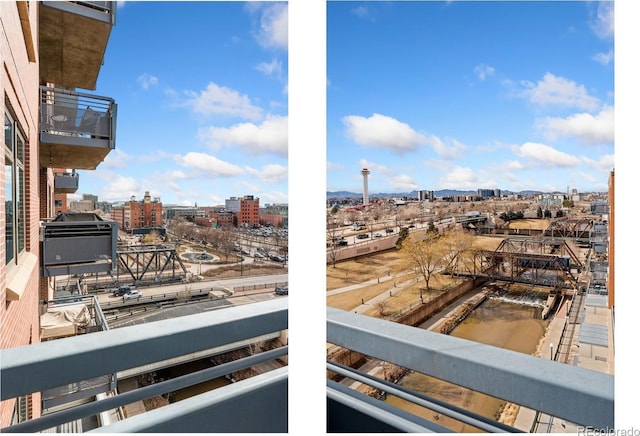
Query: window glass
{"points": [[8, 132], [8, 207], [15, 195], [20, 195]]}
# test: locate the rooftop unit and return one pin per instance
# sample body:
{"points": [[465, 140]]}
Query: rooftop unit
{"points": [[77, 243]]}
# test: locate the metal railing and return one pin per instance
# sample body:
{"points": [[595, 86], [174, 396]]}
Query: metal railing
{"points": [[98, 10], [70, 115], [574, 394], [42, 366]]}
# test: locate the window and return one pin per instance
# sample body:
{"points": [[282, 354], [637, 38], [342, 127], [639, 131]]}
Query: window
{"points": [[14, 202]]}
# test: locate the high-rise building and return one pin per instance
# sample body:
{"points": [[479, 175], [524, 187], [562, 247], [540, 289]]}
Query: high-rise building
{"points": [[426, 195], [249, 211]]}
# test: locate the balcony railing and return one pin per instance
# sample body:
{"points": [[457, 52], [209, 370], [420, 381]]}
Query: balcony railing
{"points": [[576, 395], [66, 183], [76, 130], [255, 404], [68, 57]]}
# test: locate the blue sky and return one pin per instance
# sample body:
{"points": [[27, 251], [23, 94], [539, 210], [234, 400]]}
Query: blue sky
{"points": [[466, 95], [202, 95]]}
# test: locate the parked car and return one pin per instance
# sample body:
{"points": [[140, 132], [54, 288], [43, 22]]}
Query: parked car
{"points": [[389, 230], [363, 236], [342, 243], [132, 294], [377, 235], [120, 291], [282, 289], [276, 258], [258, 255]]}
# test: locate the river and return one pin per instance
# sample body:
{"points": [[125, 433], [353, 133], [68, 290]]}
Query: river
{"points": [[507, 322]]}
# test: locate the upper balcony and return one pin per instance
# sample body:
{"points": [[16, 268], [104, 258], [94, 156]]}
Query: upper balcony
{"points": [[65, 182], [73, 40], [76, 130], [251, 405]]}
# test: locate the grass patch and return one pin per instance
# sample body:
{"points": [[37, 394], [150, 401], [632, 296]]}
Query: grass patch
{"points": [[361, 269]]}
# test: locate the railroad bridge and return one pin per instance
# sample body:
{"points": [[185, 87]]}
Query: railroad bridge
{"points": [[536, 261]]}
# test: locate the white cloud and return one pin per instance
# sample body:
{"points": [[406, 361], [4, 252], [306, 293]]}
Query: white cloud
{"points": [[603, 58], [272, 173], [381, 131], [544, 155], [459, 178], [273, 197], [483, 71], [116, 159], [554, 90], [209, 165], [605, 162], [272, 68], [362, 12], [120, 187], [269, 137], [147, 80], [220, 100], [403, 183], [588, 128], [374, 167], [451, 149], [272, 30], [331, 166], [603, 22]]}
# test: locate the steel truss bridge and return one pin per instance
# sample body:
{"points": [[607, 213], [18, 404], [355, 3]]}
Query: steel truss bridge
{"points": [[579, 228], [544, 262], [151, 263]]}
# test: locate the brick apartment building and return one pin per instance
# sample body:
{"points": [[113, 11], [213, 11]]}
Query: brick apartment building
{"points": [[46, 129], [249, 211], [246, 210], [138, 214]]}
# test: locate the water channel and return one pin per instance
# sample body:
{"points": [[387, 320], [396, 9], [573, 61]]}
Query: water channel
{"points": [[510, 322]]}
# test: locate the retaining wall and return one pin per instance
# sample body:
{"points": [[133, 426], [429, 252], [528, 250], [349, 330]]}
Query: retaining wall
{"points": [[413, 317]]}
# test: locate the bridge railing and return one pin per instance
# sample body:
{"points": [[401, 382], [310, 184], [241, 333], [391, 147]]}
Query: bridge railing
{"points": [[574, 394]]}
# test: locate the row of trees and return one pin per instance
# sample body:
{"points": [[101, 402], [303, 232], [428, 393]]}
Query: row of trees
{"points": [[224, 239]]}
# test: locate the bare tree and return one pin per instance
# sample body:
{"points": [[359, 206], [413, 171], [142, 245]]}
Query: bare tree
{"points": [[332, 240], [382, 306], [225, 240], [424, 255], [456, 245]]}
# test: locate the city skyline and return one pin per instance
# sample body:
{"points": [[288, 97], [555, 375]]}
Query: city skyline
{"points": [[454, 95], [202, 95]]}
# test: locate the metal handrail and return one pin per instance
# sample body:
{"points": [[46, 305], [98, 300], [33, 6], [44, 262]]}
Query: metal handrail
{"points": [[575, 394]]}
